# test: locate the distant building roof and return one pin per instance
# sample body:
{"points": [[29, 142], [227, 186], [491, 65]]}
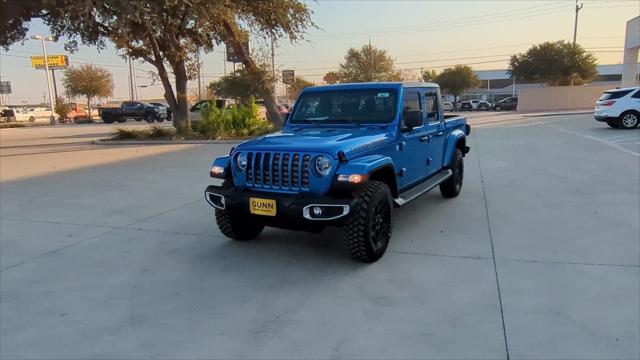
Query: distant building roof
{"points": [[606, 69]]}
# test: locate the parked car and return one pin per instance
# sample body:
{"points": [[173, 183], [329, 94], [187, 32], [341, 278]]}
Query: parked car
{"points": [[510, 103], [326, 169], [137, 110], [619, 108], [7, 115], [475, 105], [447, 106], [195, 112], [168, 109], [24, 115]]}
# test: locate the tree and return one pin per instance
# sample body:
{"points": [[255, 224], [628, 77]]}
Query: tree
{"points": [[554, 63], [429, 75], [239, 85], [297, 86], [368, 64], [62, 108], [89, 81], [456, 80], [168, 33], [331, 77]]}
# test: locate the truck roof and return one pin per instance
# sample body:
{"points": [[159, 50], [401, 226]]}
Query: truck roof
{"points": [[372, 85]]}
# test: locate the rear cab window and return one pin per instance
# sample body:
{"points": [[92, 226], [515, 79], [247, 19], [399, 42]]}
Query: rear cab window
{"points": [[612, 95]]}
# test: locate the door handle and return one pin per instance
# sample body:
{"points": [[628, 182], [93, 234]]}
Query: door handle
{"points": [[425, 138], [440, 133]]}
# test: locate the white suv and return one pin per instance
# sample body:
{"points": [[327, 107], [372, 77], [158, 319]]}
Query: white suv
{"points": [[620, 108]]}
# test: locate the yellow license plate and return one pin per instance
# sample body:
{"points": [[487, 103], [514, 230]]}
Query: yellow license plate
{"points": [[265, 207]]}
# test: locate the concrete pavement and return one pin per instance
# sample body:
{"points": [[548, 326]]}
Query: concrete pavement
{"points": [[119, 258]]}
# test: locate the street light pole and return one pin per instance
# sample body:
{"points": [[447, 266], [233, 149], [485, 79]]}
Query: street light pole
{"points": [[273, 69], [42, 39]]}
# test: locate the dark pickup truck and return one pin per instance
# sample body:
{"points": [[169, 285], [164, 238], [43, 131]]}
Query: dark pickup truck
{"points": [[137, 110]]}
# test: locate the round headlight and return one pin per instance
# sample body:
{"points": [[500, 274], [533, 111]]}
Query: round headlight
{"points": [[323, 165], [241, 161]]}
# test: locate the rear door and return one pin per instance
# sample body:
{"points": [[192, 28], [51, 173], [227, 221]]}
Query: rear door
{"points": [[435, 132], [412, 159]]}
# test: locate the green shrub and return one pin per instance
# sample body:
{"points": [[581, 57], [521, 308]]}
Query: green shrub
{"points": [[235, 121], [153, 132], [126, 134]]}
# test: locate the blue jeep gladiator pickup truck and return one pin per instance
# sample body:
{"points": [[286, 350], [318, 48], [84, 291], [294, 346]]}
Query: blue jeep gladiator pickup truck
{"points": [[346, 156]]}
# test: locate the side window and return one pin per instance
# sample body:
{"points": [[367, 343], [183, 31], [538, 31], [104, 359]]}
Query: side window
{"points": [[411, 102], [128, 105], [636, 95], [431, 107]]}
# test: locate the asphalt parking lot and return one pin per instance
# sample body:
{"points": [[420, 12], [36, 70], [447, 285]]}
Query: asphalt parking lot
{"points": [[110, 251]]}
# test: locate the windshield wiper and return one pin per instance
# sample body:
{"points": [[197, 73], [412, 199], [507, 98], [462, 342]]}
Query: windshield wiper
{"points": [[344, 120]]}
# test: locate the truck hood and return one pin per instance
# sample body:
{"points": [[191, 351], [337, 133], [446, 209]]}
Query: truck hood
{"points": [[324, 140]]}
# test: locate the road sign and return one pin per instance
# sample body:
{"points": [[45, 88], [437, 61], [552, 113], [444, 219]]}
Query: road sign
{"points": [[231, 53], [55, 62], [288, 76], [5, 87]]}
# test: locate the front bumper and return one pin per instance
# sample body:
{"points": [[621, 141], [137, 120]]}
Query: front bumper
{"points": [[604, 118], [293, 211]]}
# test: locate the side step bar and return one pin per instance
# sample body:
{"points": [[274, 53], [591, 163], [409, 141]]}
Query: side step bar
{"points": [[420, 189]]}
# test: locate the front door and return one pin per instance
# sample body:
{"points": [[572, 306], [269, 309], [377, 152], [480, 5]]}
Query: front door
{"points": [[435, 132], [412, 148]]}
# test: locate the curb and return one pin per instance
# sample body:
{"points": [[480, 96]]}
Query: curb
{"points": [[577, 112], [164, 142]]}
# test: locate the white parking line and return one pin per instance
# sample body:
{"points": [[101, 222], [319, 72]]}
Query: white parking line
{"points": [[602, 141]]}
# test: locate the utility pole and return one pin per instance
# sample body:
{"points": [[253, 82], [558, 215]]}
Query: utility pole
{"points": [[199, 76], [575, 25], [134, 80], [55, 86], [273, 69], [131, 89], [52, 100]]}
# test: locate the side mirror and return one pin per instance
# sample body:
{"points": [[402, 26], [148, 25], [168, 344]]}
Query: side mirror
{"points": [[413, 119]]}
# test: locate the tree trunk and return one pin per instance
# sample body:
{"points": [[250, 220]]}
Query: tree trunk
{"points": [[89, 106], [181, 113]]}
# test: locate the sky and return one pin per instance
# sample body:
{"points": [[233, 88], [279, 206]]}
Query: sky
{"points": [[417, 34]]}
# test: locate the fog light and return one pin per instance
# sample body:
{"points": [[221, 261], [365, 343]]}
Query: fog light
{"points": [[317, 211]]}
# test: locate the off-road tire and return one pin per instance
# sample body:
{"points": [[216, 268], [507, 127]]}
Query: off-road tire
{"points": [[367, 230], [107, 119], [235, 226], [629, 120], [613, 124], [149, 117], [451, 187]]}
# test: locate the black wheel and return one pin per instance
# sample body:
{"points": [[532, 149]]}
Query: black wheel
{"points": [[235, 226], [367, 231], [149, 117], [451, 187], [107, 119], [122, 120], [498, 108], [160, 119], [613, 124], [629, 120], [32, 118]]}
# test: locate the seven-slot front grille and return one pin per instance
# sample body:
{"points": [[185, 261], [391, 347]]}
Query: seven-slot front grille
{"points": [[278, 170]]}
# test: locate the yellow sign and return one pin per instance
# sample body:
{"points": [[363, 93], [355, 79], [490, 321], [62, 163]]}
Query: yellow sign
{"points": [[55, 61], [262, 206]]}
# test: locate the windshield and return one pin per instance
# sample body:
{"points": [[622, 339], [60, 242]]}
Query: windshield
{"points": [[346, 106]]}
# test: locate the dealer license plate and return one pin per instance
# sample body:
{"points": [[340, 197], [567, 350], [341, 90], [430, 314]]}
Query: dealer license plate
{"points": [[265, 207]]}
